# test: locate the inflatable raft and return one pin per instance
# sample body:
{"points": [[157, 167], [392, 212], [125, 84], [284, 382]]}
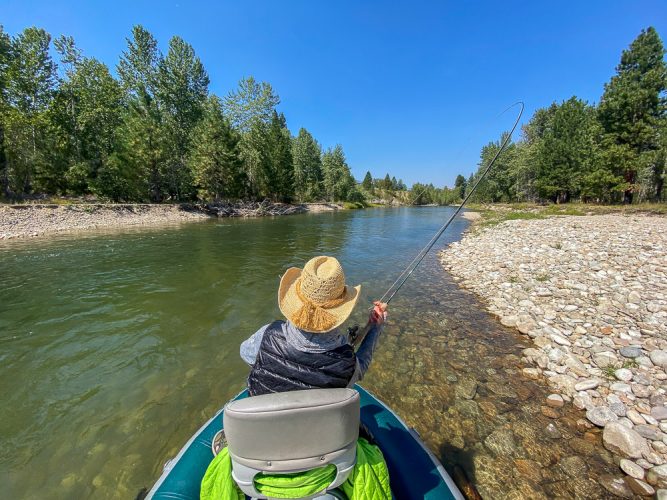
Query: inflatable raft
{"points": [[414, 471]]}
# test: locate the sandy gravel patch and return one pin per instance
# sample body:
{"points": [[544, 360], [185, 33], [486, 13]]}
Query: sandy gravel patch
{"points": [[30, 221]]}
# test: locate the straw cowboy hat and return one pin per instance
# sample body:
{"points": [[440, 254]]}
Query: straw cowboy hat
{"points": [[316, 298]]}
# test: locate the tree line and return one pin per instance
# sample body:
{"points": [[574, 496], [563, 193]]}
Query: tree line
{"points": [[154, 133], [612, 152]]}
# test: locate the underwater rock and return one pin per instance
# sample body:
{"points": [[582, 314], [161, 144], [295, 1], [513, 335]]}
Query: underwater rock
{"points": [[501, 442], [616, 486], [573, 466], [466, 388]]}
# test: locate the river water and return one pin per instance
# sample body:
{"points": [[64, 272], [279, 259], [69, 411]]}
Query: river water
{"points": [[116, 346]]}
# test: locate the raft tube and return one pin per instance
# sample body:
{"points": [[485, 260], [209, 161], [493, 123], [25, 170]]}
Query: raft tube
{"points": [[414, 471]]}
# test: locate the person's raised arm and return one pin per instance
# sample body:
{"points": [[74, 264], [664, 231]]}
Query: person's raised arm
{"points": [[374, 328]]}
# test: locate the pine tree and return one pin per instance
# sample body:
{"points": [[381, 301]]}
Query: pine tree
{"points": [[460, 185], [631, 109], [386, 183], [281, 169], [307, 158], [367, 183], [214, 158]]}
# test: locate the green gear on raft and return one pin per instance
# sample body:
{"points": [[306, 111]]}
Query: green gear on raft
{"points": [[369, 480]]}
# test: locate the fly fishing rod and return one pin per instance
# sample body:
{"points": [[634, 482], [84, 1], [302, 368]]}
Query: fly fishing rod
{"points": [[407, 272]]}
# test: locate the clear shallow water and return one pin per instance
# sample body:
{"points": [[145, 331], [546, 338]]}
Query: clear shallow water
{"points": [[115, 347]]}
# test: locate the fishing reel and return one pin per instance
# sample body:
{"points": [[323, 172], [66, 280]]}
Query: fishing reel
{"points": [[352, 333]]}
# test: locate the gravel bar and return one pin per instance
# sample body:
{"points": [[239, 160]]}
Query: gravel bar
{"points": [[591, 293]]}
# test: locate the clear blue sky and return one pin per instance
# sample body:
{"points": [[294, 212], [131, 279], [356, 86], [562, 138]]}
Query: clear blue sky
{"points": [[409, 88]]}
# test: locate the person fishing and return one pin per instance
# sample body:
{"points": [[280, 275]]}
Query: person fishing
{"points": [[308, 351]]}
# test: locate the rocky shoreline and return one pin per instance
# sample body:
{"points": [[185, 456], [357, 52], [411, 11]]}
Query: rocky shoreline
{"points": [[33, 220], [591, 293]]}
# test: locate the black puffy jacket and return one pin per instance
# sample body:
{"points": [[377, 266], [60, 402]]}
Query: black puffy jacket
{"points": [[280, 367]]}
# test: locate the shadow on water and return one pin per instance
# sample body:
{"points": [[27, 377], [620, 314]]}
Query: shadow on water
{"points": [[117, 346]]}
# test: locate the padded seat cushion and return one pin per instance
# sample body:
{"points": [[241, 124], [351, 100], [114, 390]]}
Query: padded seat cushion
{"points": [[292, 426]]}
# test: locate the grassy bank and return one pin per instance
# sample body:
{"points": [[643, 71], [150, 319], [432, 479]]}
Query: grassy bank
{"points": [[499, 212]]}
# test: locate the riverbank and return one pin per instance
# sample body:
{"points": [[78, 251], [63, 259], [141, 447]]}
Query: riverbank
{"points": [[591, 293], [34, 220]]}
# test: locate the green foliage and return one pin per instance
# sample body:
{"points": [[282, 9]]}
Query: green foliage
{"points": [[632, 113], [574, 151], [181, 92], [280, 166], [30, 85], [460, 184], [214, 158], [307, 157], [157, 134], [354, 205], [118, 180], [356, 196], [5, 59], [253, 101], [493, 218], [367, 183], [567, 151], [263, 147], [138, 65], [497, 186], [428, 194], [609, 371], [141, 141], [82, 120], [338, 180], [386, 183]]}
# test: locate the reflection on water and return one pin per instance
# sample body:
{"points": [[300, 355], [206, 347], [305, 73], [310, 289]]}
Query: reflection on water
{"points": [[115, 347]]}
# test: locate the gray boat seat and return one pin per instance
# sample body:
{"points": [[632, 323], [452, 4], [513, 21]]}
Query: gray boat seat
{"points": [[290, 432]]}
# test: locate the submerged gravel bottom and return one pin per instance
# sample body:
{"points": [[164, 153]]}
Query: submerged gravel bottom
{"points": [[455, 374]]}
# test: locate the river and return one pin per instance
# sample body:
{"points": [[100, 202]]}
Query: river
{"points": [[116, 346]]}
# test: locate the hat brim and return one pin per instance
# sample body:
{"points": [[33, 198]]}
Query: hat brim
{"points": [[289, 302]]}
